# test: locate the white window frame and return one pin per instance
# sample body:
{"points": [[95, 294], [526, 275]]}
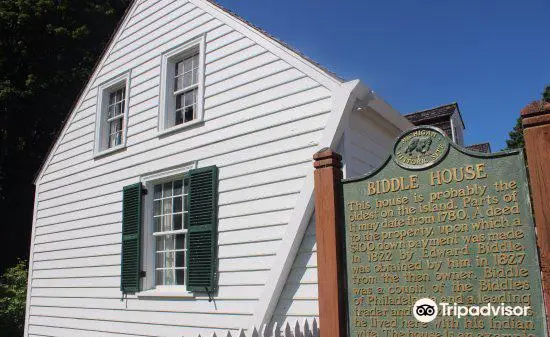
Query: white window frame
{"points": [[102, 126], [167, 102], [148, 286]]}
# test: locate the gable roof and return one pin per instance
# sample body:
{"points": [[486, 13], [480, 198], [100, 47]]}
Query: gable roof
{"points": [[118, 29]]}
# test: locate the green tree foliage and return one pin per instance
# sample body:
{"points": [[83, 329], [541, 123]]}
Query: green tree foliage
{"points": [[13, 295], [47, 51], [516, 137], [515, 140]]}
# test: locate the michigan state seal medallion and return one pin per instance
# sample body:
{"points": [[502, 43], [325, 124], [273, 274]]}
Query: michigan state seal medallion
{"points": [[420, 148]]}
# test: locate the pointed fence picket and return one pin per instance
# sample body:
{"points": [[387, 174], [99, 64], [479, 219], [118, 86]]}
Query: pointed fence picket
{"points": [[304, 329]]}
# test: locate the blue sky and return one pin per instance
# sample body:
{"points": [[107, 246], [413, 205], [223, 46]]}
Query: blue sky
{"points": [[492, 57]]}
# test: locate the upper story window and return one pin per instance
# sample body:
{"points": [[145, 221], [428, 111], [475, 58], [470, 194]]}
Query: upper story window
{"points": [[112, 114], [182, 86]]}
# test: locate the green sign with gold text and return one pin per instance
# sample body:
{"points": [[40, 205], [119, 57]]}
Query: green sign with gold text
{"points": [[440, 242]]}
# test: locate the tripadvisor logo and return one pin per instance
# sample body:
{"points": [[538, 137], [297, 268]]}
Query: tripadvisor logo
{"points": [[425, 310]]}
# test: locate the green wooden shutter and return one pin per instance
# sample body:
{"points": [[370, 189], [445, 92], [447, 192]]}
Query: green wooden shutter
{"points": [[131, 238], [202, 220]]}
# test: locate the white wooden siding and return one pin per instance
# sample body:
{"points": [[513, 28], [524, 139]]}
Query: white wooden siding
{"points": [[299, 299], [263, 121], [368, 142]]}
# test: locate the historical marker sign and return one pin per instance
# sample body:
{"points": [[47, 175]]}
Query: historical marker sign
{"points": [[440, 242]]}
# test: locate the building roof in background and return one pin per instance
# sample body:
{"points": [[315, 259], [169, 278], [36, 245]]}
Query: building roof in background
{"points": [[481, 147], [429, 115]]}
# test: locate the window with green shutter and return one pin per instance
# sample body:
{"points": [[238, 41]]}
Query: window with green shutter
{"points": [[179, 241]]}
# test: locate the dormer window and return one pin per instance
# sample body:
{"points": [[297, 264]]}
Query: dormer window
{"points": [[182, 86]]}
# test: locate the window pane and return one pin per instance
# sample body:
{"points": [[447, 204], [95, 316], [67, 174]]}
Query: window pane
{"points": [[177, 187], [114, 139], [187, 64], [169, 242], [119, 108], [110, 111], [180, 259], [113, 126], [160, 244], [112, 97], [156, 207], [195, 76], [179, 68], [159, 277], [169, 260], [167, 188], [167, 206], [160, 260], [189, 98], [169, 277], [178, 83], [166, 223], [179, 101], [157, 191], [156, 223], [177, 205], [179, 117], [180, 276], [120, 95], [189, 113], [187, 78], [180, 241], [177, 221]]}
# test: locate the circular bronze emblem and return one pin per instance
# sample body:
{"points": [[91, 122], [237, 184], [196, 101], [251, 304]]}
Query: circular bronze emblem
{"points": [[420, 148]]}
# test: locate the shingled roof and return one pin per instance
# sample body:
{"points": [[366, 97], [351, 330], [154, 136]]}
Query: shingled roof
{"points": [[481, 147], [429, 115]]}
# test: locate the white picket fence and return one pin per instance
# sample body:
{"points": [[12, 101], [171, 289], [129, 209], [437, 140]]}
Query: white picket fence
{"points": [[305, 329]]}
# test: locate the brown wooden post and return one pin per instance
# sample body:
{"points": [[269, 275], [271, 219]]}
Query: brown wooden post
{"points": [[536, 132], [328, 176]]}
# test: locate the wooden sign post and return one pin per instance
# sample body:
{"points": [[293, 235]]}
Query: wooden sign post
{"points": [[328, 176], [536, 132]]}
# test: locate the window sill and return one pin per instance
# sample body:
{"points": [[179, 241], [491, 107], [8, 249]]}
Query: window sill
{"points": [[164, 293], [107, 152], [180, 127]]}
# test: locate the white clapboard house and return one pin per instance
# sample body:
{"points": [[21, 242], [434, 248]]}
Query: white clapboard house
{"points": [[178, 197]]}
